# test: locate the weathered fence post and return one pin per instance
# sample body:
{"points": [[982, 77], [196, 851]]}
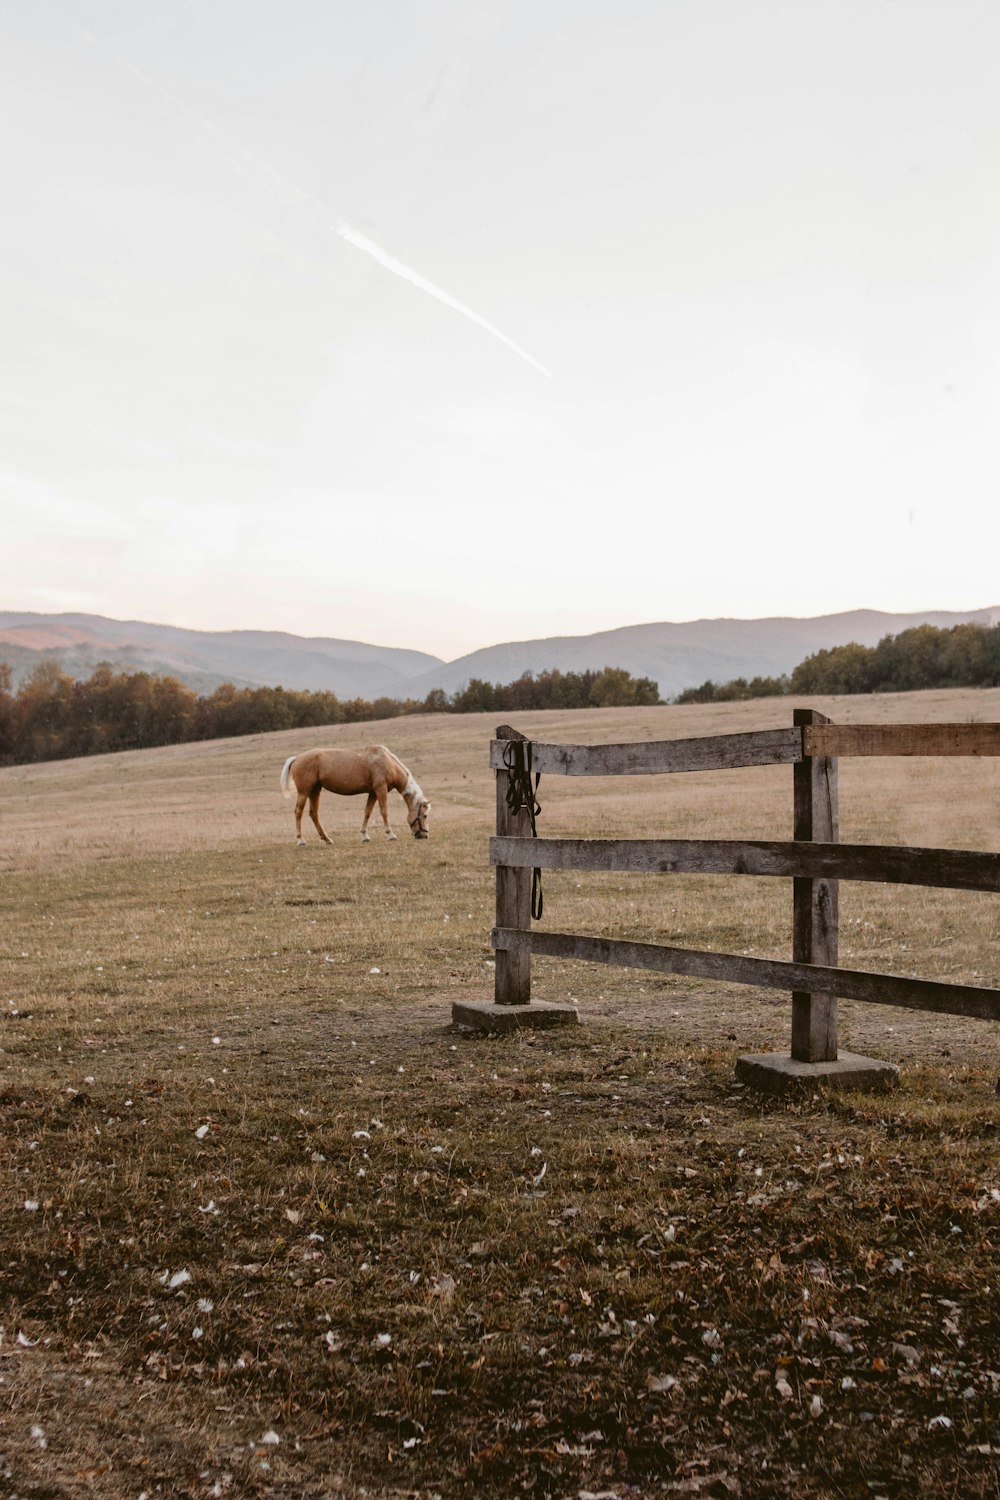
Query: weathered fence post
{"points": [[512, 983], [814, 902], [512, 1004]]}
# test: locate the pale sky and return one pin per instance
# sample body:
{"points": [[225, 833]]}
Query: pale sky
{"points": [[755, 245]]}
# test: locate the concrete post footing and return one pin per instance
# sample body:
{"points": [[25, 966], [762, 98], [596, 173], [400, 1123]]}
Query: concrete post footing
{"points": [[481, 1015], [776, 1073]]}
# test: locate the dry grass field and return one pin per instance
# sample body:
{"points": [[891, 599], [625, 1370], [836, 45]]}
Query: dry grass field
{"points": [[271, 1227]]}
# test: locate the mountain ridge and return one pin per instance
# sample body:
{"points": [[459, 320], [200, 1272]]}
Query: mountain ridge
{"points": [[676, 654], [204, 659]]}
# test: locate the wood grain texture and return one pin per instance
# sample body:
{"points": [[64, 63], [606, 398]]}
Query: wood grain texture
{"points": [[766, 747], [954, 869], [900, 739], [731, 968]]}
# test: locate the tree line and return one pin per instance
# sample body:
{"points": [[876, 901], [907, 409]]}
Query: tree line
{"points": [[925, 656], [52, 716]]}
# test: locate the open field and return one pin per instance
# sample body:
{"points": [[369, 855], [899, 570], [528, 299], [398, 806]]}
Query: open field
{"points": [[270, 1227]]}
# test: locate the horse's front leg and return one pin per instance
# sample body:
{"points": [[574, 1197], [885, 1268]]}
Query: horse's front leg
{"points": [[365, 837], [383, 807], [314, 814]]}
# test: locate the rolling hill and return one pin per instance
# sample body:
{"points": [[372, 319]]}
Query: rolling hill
{"points": [[676, 655], [204, 659]]}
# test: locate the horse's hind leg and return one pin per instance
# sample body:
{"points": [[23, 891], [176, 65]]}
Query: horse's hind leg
{"points": [[365, 837], [314, 814], [300, 806]]}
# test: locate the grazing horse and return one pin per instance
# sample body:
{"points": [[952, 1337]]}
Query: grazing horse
{"points": [[374, 770]]}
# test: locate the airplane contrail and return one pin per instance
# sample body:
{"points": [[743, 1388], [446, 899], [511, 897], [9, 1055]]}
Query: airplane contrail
{"points": [[343, 230], [399, 268]]}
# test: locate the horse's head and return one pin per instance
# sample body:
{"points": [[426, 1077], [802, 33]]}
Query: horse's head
{"points": [[418, 810]]}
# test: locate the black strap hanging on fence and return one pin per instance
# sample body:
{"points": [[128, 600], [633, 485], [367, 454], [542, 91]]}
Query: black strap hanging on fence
{"points": [[521, 795]]}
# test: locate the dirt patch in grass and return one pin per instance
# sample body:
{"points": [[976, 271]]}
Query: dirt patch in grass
{"points": [[536, 1265], [272, 1228]]}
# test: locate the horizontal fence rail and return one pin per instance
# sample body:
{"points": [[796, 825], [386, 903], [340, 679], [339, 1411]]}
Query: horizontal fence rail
{"points": [[900, 739], [955, 869], [766, 747], [848, 984]]}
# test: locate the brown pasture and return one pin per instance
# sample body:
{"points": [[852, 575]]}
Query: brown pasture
{"points": [[431, 1264]]}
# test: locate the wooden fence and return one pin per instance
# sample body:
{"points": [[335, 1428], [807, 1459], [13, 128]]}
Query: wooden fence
{"points": [[814, 859]]}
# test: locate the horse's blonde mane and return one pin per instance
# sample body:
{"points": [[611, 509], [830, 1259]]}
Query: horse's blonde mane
{"points": [[411, 789]]}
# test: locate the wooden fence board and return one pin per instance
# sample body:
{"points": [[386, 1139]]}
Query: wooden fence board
{"points": [[901, 739], [955, 869], [767, 747], [731, 968]]}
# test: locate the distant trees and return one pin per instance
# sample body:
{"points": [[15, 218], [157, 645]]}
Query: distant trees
{"points": [[51, 716], [612, 687], [923, 657], [8, 715], [734, 691], [44, 708], [842, 669]]}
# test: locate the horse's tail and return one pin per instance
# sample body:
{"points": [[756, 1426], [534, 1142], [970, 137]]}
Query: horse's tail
{"points": [[286, 768]]}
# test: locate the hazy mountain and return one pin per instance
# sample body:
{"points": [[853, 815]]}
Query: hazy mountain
{"points": [[679, 656], [204, 659], [675, 655]]}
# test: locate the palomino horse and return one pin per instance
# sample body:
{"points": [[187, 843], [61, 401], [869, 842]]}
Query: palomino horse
{"points": [[374, 770]]}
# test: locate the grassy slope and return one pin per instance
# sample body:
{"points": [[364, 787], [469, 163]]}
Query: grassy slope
{"points": [[430, 1264]]}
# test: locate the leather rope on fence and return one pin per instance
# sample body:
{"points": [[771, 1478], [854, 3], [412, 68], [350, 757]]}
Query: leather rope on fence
{"points": [[521, 796]]}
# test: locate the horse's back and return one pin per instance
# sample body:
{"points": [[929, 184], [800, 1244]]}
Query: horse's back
{"points": [[346, 771]]}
